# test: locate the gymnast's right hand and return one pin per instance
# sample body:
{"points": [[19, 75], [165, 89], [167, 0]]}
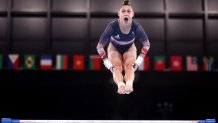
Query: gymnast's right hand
{"points": [[107, 64]]}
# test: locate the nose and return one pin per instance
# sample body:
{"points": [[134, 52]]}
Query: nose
{"points": [[126, 14]]}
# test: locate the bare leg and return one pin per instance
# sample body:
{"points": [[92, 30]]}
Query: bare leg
{"points": [[129, 59], [116, 60]]}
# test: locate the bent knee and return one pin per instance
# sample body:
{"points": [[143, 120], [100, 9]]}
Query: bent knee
{"points": [[129, 65], [118, 67]]}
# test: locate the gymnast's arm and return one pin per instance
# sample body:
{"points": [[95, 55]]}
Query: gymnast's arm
{"points": [[143, 38], [104, 40]]}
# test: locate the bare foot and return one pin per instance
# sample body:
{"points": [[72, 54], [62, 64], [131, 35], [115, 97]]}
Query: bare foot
{"points": [[128, 89], [121, 87], [121, 90]]}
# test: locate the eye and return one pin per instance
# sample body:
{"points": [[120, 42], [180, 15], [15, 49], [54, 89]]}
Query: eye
{"points": [[129, 11]]}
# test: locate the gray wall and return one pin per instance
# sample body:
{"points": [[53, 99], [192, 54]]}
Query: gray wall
{"points": [[178, 27]]}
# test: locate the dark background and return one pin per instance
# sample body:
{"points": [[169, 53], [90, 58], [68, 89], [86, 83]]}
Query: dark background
{"points": [[174, 27]]}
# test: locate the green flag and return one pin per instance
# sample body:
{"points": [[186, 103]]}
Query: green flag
{"points": [[1, 61], [29, 62]]}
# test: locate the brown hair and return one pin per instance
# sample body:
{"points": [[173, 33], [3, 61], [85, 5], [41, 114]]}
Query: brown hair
{"points": [[126, 2]]}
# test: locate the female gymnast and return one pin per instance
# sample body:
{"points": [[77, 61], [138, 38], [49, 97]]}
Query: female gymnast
{"points": [[121, 54]]}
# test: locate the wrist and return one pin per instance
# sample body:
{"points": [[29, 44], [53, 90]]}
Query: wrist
{"points": [[144, 51], [102, 53], [105, 59], [142, 55]]}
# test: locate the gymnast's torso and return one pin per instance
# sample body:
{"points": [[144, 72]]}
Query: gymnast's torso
{"points": [[122, 42]]}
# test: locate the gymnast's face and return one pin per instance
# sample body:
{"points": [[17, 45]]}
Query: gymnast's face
{"points": [[126, 14]]}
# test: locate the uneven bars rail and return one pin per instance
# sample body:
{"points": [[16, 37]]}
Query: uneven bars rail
{"points": [[9, 120]]}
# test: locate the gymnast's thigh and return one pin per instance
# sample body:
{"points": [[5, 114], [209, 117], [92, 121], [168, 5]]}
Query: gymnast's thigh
{"points": [[129, 56], [114, 56]]}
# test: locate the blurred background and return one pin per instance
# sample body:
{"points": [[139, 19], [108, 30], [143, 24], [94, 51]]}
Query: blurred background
{"points": [[178, 28]]}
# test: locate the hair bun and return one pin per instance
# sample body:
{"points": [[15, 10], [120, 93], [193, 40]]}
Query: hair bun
{"points": [[126, 2]]}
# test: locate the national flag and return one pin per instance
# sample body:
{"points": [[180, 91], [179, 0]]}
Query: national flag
{"points": [[207, 63], [46, 62], [145, 66], [176, 63], [29, 62], [159, 63], [13, 61], [192, 63], [78, 62], [1, 61], [61, 62], [94, 62]]}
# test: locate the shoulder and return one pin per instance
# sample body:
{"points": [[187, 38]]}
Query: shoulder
{"points": [[135, 23], [113, 23]]}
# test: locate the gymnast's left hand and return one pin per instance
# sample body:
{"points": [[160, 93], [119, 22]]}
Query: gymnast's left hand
{"points": [[138, 62]]}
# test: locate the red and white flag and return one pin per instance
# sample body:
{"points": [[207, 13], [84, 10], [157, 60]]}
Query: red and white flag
{"points": [[192, 63]]}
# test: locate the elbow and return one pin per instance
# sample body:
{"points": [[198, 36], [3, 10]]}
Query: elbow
{"points": [[99, 46], [147, 44]]}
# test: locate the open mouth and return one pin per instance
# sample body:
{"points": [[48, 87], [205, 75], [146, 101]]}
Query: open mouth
{"points": [[126, 20]]}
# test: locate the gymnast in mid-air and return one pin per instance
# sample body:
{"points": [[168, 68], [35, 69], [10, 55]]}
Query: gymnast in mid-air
{"points": [[121, 55]]}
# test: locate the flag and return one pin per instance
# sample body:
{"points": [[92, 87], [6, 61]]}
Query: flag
{"points": [[29, 62], [192, 63], [176, 63], [159, 63], [94, 62], [145, 66], [61, 62], [13, 61], [78, 62], [46, 62], [1, 61], [207, 63]]}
